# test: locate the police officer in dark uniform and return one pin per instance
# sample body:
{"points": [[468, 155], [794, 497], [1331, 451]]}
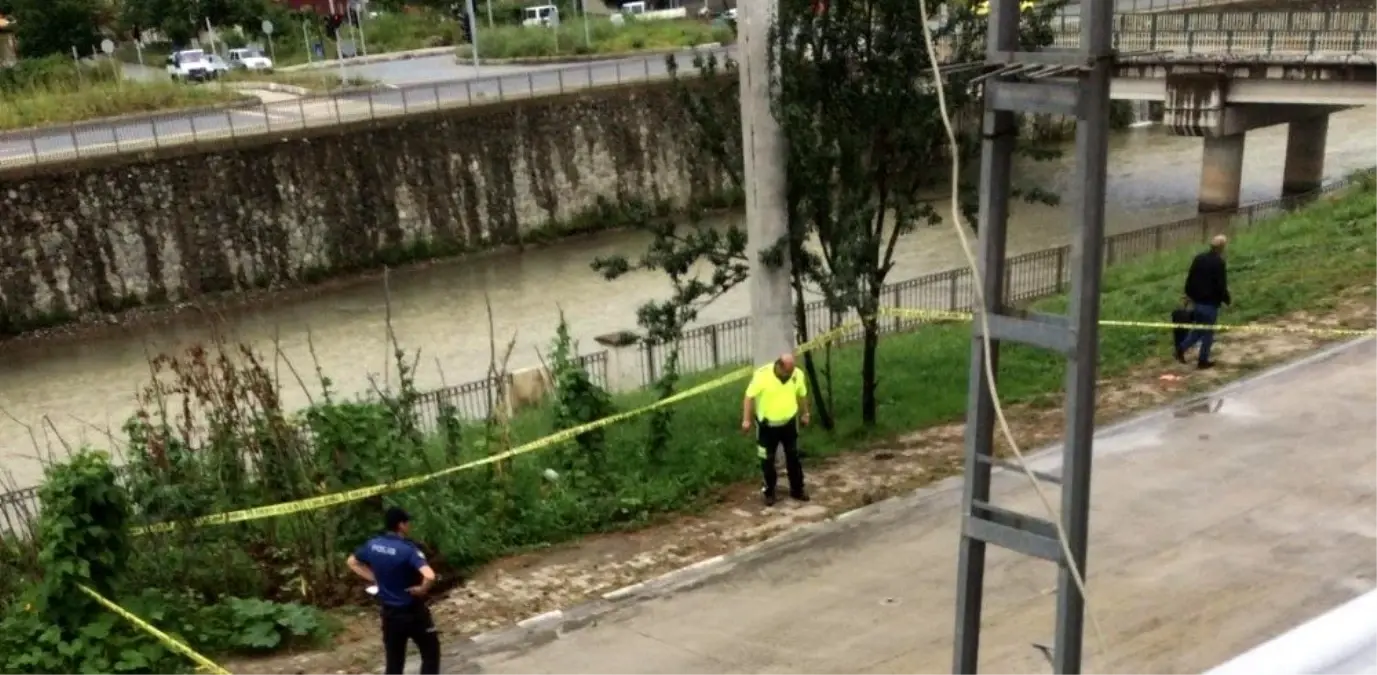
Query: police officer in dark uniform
{"points": [[403, 578]]}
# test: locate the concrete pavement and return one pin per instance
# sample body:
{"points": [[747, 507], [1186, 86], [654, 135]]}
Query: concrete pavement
{"points": [[1216, 525]]}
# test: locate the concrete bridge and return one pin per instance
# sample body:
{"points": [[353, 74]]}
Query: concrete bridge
{"points": [[1221, 75]]}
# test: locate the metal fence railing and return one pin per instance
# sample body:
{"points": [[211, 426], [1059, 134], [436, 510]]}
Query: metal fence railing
{"points": [[1262, 32], [1261, 43], [467, 402], [1028, 277]]}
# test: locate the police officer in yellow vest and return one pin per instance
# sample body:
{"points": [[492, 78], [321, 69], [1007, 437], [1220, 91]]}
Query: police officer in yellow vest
{"points": [[777, 399]]}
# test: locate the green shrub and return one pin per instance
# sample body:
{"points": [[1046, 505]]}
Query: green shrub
{"points": [[603, 37]]}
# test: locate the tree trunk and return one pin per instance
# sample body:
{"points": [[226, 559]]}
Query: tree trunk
{"points": [[868, 383], [820, 402]]}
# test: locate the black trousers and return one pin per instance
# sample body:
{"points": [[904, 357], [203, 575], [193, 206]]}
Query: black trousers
{"points": [[413, 623], [769, 438]]}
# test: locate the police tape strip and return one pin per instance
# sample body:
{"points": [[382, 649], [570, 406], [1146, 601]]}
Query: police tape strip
{"points": [[942, 315], [359, 494], [172, 643]]}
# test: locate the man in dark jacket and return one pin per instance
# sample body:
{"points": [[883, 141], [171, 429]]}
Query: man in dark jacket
{"points": [[1207, 287]]}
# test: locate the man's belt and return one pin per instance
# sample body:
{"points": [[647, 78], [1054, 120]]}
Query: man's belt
{"points": [[772, 424]]}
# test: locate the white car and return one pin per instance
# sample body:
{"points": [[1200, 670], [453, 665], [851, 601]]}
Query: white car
{"points": [[251, 60], [216, 66], [189, 65]]}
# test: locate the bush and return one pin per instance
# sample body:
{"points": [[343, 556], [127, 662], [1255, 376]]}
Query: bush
{"points": [[604, 37], [52, 73]]}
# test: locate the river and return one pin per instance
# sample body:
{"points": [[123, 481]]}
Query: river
{"points": [[85, 387]]}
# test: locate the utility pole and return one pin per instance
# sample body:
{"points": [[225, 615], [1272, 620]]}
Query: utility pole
{"points": [[763, 145], [1079, 88]]}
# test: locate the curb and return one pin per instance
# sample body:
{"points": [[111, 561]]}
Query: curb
{"points": [[549, 626], [575, 59], [373, 58], [242, 85]]}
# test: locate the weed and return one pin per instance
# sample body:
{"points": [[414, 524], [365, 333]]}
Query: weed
{"points": [[603, 37]]}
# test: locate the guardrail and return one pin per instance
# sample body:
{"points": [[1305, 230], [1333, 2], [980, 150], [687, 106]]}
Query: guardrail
{"points": [[1263, 32], [1261, 43]]}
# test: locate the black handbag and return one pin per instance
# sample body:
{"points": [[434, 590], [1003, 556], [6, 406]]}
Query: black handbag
{"points": [[1182, 316]]}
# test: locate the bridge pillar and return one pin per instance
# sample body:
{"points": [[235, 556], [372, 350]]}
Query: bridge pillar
{"points": [[1221, 173], [1305, 141]]}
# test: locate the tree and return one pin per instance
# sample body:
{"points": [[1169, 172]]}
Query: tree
{"points": [[853, 94], [709, 103], [182, 20], [46, 27], [852, 90]]}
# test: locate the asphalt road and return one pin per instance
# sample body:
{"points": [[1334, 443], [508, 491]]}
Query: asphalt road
{"points": [[103, 137]]}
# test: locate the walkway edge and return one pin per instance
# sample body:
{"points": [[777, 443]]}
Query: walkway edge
{"points": [[549, 626]]}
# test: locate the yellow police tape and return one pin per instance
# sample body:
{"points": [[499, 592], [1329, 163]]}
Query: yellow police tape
{"points": [[347, 496], [205, 664], [941, 315]]}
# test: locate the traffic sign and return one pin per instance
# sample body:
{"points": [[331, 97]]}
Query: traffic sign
{"points": [[107, 46], [267, 27]]}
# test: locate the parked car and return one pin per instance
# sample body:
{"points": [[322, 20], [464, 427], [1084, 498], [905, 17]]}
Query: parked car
{"points": [[217, 66], [541, 15], [189, 65], [250, 59]]}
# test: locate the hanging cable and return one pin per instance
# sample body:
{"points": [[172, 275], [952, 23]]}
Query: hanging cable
{"points": [[988, 369]]}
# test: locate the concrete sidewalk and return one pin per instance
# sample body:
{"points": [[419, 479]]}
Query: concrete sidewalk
{"points": [[1215, 526]]}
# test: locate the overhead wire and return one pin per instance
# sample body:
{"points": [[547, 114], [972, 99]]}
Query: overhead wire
{"points": [[1069, 561]]}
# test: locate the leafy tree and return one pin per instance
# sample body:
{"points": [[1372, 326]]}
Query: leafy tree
{"points": [[675, 250], [182, 20], [578, 401], [866, 140], [45, 27], [709, 101]]}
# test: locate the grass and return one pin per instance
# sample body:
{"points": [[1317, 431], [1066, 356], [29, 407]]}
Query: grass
{"points": [[1297, 261], [604, 37], [59, 105]]}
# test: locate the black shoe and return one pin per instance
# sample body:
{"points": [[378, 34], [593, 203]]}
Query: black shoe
{"points": [[1180, 355], [769, 499], [1205, 365], [800, 496]]}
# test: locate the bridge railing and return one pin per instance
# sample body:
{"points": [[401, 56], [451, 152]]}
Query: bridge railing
{"points": [[1261, 43]]}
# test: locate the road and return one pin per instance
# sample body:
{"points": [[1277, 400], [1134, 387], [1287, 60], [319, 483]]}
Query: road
{"points": [[1216, 526], [106, 136]]}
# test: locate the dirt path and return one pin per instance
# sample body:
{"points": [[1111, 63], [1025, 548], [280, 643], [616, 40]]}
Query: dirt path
{"points": [[516, 588]]}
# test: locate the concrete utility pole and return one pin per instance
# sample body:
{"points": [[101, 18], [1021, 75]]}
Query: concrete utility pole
{"points": [[1023, 82], [762, 143]]}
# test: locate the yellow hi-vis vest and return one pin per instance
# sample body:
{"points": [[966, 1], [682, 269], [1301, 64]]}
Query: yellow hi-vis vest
{"points": [[776, 402]]}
